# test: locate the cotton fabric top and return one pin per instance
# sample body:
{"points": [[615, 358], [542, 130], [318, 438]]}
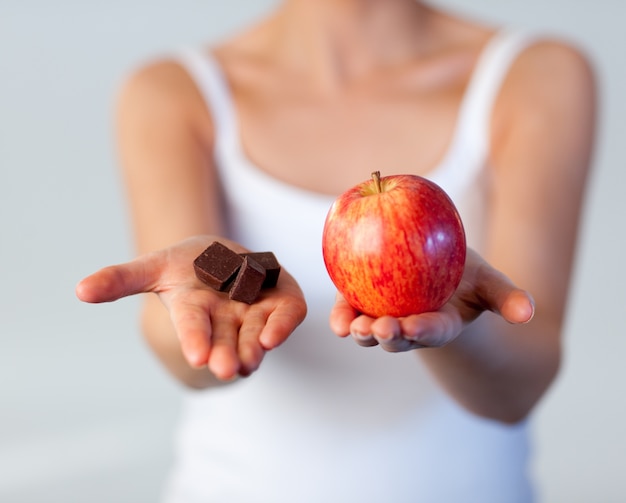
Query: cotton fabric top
{"points": [[324, 419]]}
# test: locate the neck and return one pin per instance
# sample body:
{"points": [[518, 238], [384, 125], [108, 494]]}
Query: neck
{"points": [[345, 39]]}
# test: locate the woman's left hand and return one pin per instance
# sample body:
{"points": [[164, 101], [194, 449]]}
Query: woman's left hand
{"points": [[482, 288]]}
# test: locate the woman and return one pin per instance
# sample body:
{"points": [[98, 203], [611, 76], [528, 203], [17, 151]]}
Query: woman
{"points": [[249, 142]]}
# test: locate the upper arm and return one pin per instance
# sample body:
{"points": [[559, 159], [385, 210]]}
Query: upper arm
{"points": [[165, 142], [542, 149]]}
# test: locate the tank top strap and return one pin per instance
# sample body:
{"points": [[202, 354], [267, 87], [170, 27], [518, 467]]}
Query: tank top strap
{"points": [[211, 82], [470, 144]]}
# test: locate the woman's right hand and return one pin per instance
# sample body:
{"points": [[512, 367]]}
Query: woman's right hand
{"points": [[227, 336]]}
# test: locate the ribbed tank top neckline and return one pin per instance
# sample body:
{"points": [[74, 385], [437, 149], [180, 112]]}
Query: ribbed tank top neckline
{"points": [[467, 150]]}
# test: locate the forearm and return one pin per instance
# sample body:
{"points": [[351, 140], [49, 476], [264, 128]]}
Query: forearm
{"points": [[498, 370]]}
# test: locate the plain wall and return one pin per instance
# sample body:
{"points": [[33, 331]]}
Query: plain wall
{"points": [[86, 414]]}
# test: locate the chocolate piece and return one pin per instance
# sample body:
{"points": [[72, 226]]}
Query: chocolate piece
{"points": [[271, 265], [247, 283], [217, 266]]}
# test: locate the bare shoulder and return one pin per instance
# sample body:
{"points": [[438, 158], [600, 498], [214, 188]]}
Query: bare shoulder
{"points": [[162, 92], [548, 97], [551, 73], [551, 50]]}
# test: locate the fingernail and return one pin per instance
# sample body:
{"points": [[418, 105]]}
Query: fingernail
{"points": [[359, 336]]}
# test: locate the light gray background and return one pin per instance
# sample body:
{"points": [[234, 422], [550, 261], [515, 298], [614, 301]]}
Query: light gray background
{"points": [[85, 412]]}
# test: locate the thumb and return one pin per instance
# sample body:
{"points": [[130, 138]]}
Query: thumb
{"points": [[499, 294], [518, 307], [122, 280]]}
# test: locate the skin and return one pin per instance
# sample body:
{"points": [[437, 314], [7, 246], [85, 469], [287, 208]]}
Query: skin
{"points": [[313, 84]]}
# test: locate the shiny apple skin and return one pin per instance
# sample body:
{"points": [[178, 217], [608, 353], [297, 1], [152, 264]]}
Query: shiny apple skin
{"points": [[397, 252]]}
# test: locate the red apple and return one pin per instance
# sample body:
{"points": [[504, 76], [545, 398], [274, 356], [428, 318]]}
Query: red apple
{"points": [[394, 246]]}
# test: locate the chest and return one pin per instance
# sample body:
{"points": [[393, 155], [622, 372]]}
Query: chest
{"points": [[329, 143]]}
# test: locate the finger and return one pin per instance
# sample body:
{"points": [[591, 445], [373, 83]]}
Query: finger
{"points": [[388, 333], [500, 295], [435, 329], [400, 345], [122, 280], [193, 327], [385, 328], [518, 307], [365, 340], [249, 348], [361, 331], [341, 316], [282, 321], [224, 360]]}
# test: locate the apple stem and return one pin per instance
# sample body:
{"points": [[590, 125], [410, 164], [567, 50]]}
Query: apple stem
{"points": [[377, 184]]}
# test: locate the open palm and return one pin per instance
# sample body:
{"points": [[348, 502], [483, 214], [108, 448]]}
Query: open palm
{"points": [[482, 288], [228, 336]]}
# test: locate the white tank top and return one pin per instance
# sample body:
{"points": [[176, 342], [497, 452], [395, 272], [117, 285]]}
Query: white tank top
{"points": [[324, 420]]}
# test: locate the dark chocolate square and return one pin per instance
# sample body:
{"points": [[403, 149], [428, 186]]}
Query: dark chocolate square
{"points": [[217, 266], [271, 265], [248, 282]]}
